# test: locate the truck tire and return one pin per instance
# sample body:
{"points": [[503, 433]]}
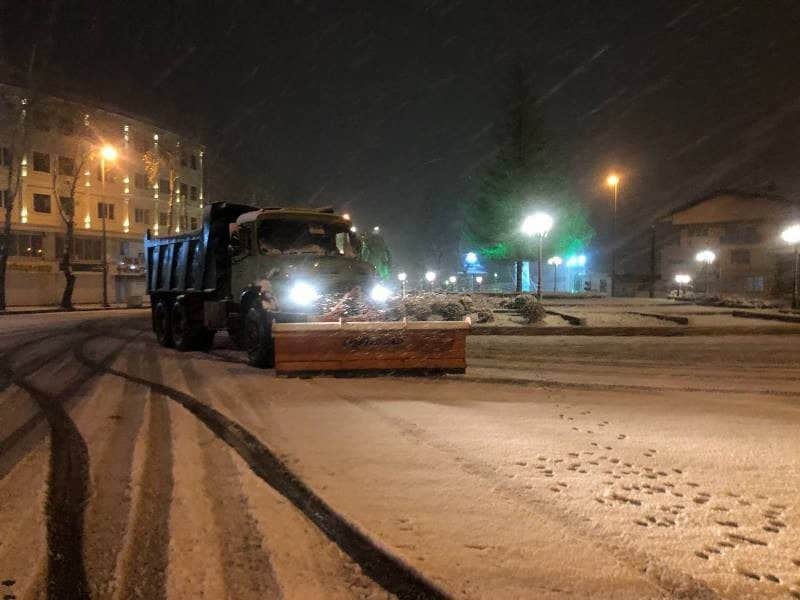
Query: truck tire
{"points": [[187, 333], [258, 338], [162, 323]]}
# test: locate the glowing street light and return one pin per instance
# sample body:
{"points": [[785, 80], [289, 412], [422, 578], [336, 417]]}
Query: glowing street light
{"points": [[791, 235], [471, 258], [682, 279], [452, 279], [376, 229], [479, 280], [430, 277], [555, 261], [613, 182], [402, 278], [539, 224], [108, 152], [707, 257], [346, 216]]}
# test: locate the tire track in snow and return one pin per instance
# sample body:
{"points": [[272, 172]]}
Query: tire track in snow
{"points": [[247, 569], [68, 479], [109, 509], [146, 556], [376, 562]]}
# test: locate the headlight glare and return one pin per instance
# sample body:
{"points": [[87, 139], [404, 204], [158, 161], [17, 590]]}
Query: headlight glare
{"points": [[303, 294], [379, 293]]}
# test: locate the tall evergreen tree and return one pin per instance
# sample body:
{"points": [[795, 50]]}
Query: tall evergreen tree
{"points": [[525, 174]]}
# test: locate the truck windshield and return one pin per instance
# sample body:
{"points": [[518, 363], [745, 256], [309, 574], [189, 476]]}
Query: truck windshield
{"points": [[303, 237]]}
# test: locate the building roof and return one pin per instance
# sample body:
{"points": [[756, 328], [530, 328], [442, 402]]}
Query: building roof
{"points": [[726, 205]]}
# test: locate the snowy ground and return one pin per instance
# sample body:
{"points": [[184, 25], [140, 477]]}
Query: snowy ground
{"points": [[557, 467]]}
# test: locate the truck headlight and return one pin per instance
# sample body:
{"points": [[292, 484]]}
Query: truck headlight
{"points": [[303, 294], [379, 293]]}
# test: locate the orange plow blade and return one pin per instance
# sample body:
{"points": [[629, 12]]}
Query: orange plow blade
{"points": [[428, 347]]}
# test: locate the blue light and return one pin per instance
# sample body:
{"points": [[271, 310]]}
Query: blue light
{"points": [[471, 258], [577, 261]]}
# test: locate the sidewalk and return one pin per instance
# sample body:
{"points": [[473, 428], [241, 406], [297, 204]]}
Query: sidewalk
{"points": [[29, 310]]}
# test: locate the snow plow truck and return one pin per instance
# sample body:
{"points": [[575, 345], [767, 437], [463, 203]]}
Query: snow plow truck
{"points": [[290, 289]]}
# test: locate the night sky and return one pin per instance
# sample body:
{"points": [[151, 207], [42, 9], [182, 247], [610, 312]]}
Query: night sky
{"points": [[388, 112]]}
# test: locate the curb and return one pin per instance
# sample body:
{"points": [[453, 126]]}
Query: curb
{"points": [[632, 331], [766, 316], [47, 311]]}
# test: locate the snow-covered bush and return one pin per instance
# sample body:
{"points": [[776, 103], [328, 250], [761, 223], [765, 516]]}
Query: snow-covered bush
{"points": [[530, 308]]}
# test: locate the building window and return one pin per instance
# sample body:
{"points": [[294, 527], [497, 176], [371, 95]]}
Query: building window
{"points": [[141, 215], [41, 203], [26, 244], [740, 256], [193, 194], [41, 162], [183, 159], [67, 205], [193, 161], [66, 166], [184, 190], [82, 248], [5, 157], [183, 221], [697, 230], [3, 195], [193, 222], [163, 186], [140, 181], [754, 283], [162, 219], [105, 210]]}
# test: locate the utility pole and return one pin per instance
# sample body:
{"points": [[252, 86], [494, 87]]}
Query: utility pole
{"points": [[104, 210]]}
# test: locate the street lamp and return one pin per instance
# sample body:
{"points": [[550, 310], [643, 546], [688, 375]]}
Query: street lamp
{"points": [[471, 258], [430, 277], [402, 278], [706, 257], [555, 261], [791, 235], [107, 153], [452, 279], [479, 280], [613, 182], [682, 279], [539, 224]]}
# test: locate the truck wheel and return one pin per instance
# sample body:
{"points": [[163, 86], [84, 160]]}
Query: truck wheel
{"points": [[183, 330], [162, 325], [258, 338], [187, 333]]}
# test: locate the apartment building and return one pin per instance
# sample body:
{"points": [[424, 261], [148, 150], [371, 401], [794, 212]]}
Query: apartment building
{"points": [[129, 175], [743, 230]]}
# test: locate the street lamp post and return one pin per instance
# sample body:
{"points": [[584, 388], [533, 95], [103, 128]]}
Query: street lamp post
{"points": [[106, 153], [430, 277], [538, 224], [791, 235], [555, 261], [402, 278], [613, 182], [706, 257], [682, 279]]}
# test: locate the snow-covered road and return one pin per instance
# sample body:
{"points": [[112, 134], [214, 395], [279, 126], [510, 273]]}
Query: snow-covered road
{"points": [[557, 467]]}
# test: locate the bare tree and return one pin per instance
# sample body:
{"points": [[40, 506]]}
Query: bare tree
{"points": [[153, 161], [68, 182], [18, 150]]}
